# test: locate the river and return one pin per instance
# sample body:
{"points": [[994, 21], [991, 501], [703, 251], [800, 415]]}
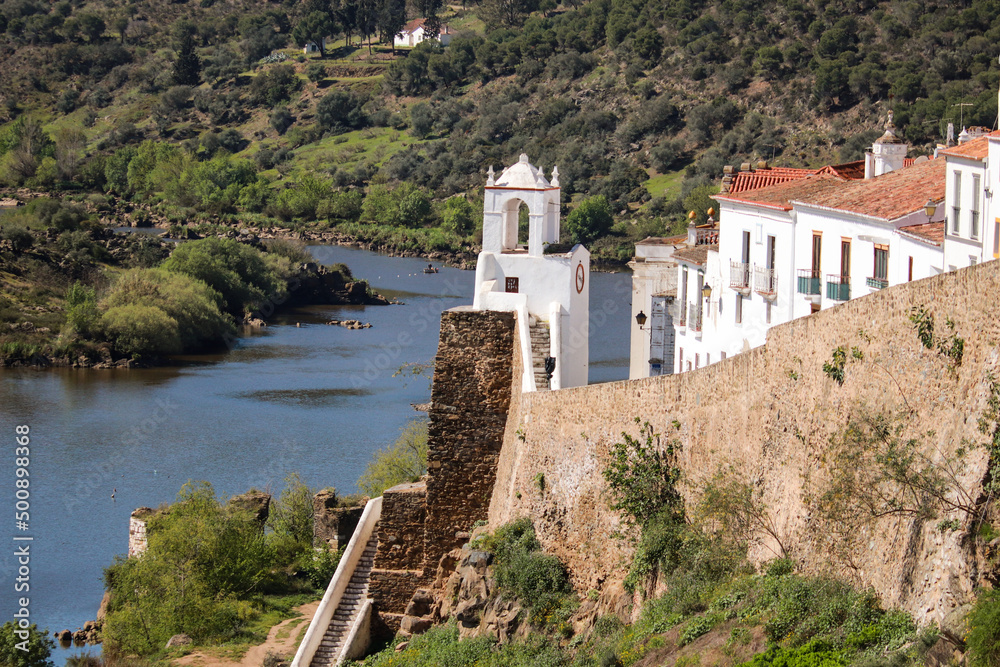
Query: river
{"points": [[298, 396]]}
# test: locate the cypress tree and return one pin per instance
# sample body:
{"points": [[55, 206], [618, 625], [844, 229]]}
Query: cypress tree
{"points": [[187, 67]]}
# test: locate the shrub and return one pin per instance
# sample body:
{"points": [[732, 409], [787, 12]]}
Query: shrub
{"points": [[984, 630], [340, 111], [140, 331], [404, 461], [236, 271], [38, 644], [187, 306], [203, 563]]}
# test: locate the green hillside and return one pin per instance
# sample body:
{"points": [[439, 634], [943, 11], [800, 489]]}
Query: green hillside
{"points": [[209, 111]]}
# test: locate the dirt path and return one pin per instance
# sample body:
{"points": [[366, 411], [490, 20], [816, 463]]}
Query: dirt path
{"points": [[254, 656]]}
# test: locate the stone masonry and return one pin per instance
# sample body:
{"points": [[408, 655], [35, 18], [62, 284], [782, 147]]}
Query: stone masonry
{"points": [[769, 414], [470, 396]]}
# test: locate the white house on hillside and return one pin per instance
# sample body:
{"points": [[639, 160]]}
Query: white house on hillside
{"points": [[546, 284], [805, 242], [413, 33]]}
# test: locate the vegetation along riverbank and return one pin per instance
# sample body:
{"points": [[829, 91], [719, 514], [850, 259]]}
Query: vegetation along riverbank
{"points": [[74, 293]]}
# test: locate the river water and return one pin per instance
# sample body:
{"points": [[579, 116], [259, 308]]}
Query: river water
{"points": [[298, 396]]}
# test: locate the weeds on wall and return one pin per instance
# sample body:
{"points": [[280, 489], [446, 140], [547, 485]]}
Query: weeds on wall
{"points": [[734, 510], [950, 345]]}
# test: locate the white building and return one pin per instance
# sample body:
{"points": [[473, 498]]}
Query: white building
{"points": [[413, 33], [548, 285], [809, 241], [654, 294]]}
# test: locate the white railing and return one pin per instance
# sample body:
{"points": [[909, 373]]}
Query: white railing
{"points": [[338, 584]]}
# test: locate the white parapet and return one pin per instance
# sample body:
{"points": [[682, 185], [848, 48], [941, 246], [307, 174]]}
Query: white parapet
{"points": [[338, 584]]}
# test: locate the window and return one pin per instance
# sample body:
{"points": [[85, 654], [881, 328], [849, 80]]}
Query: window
{"points": [[680, 360], [972, 260], [739, 309], [881, 271], [684, 295], [708, 359], [767, 312], [909, 270], [956, 210], [974, 213], [746, 247], [817, 249], [845, 258]]}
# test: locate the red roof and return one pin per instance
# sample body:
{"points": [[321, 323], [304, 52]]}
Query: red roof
{"points": [[889, 196], [976, 149], [768, 176], [418, 23], [697, 254], [780, 196], [932, 232]]}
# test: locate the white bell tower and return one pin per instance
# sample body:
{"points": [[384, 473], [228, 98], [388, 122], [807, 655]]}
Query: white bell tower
{"points": [[547, 285]]}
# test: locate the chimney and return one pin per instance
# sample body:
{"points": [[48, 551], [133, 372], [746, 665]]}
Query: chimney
{"points": [[950, 139]]}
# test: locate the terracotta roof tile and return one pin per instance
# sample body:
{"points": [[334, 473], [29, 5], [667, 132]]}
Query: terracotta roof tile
{"points": [[695, 254], [781, 195], [977, 148], [889, 197], [928, 231]]}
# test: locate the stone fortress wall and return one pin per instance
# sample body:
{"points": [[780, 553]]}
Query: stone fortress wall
{"points": [[420, 522], [770, 413]]}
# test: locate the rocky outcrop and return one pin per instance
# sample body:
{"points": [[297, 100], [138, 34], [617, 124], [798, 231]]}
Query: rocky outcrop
{"points": [[257, 503]]}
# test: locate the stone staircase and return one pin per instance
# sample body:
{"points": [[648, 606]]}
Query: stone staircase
{"points": [[330, 648], [540, 347]]}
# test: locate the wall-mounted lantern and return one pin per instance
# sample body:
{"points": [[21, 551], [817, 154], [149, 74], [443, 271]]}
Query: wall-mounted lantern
{"points": [[640, 319], [706, 291], [929, 208]]}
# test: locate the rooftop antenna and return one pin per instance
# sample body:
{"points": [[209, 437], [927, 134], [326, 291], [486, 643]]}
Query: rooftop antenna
{"points": [[961, 112]]}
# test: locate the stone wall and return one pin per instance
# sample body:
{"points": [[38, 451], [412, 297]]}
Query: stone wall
{"points": [[473, 373], [420, 522], [137, 541], [333, 525], [399, 559], [770, 414]]}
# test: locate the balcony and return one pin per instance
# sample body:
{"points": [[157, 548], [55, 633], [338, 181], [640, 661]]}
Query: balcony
{"points": [[838, 288], [707, 235], [877, 283], [694, 317], [739, 277], [809, 282], [765, 282]]}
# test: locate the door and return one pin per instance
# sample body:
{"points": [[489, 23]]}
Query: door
{"points": [[661, 343]]}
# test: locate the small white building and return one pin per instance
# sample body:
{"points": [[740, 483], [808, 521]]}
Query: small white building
{"points": [[654, 294], [313, 47], [546, 284], [413, 33]]}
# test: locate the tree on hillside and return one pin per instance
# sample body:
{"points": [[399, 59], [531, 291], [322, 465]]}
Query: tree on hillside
{"points": [[591, 220], [390, 20], [314, 27], [506, 13], [187, 67]]}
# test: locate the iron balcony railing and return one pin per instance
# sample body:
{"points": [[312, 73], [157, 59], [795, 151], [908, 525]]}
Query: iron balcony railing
{"points": [[739, 276], [877, 283], [838, 288], [809, 281], [694, 316], [765, 281]]}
